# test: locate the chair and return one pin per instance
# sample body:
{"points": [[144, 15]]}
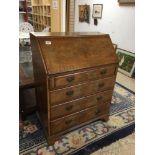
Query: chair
{"points": [[24, 32], [25, 27], [24, 39]]}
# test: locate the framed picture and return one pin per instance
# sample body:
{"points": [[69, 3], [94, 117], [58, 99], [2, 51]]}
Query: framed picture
{"points": [[126, 62], [97, 10], [84, 13], [126, 1]]}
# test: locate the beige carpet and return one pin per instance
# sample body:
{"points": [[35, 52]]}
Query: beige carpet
{"points": [[126, 81], [125, 146]]}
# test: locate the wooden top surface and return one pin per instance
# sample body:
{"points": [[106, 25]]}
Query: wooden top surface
{"points": [[63, 34], [64, 52]]}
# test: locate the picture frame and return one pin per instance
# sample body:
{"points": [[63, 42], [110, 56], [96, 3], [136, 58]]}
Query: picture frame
{"points": [[97, 10], [84, 13], [126, 62], [126, 1]]}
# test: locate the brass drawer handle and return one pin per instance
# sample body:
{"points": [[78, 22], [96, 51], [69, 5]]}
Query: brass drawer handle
{"points": [[97, 111], [70, 93], [100, 85], [70, 79], [68, 121], [69, 108], [99, 98], [103, 71]]}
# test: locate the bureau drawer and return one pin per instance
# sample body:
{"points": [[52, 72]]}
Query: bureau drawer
{"points": [[72, 79], [85, 89], [80, 104], [67, 122], [94, 112], [64, 123]]}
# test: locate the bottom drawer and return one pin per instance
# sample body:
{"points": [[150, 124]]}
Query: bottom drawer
{"points": [[65, 123]]}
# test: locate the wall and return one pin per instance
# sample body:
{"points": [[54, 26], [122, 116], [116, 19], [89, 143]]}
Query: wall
{"points": [[118, 21]]}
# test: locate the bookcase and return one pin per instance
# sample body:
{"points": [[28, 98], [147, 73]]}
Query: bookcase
{"points": [[41, 14], [25, 11]]}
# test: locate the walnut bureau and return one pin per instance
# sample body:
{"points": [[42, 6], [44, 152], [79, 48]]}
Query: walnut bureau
{"points": [[75, 75]]}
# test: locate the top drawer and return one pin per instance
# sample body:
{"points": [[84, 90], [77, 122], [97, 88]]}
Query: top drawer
{"points": [[71, 79]]}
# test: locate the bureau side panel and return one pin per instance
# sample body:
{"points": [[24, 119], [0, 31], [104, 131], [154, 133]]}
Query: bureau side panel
{"points": [[40, 77]]}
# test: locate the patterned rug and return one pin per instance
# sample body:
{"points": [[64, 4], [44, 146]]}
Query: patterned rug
{"points": [[87, 139]]}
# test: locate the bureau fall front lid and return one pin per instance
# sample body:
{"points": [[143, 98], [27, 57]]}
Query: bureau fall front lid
{"points": [[64, 52]]}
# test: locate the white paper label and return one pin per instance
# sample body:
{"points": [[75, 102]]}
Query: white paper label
{"points": [[55, 4], [48, 42]]}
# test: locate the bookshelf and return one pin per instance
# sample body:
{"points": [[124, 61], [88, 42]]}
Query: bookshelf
{"points": [[25, 11], [41, 14]]}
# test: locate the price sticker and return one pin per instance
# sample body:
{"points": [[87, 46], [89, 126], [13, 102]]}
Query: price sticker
{"points": [[48, 42]]}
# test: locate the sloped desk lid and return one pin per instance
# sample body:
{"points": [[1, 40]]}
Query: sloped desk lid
{"points": [[64, 52]]}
